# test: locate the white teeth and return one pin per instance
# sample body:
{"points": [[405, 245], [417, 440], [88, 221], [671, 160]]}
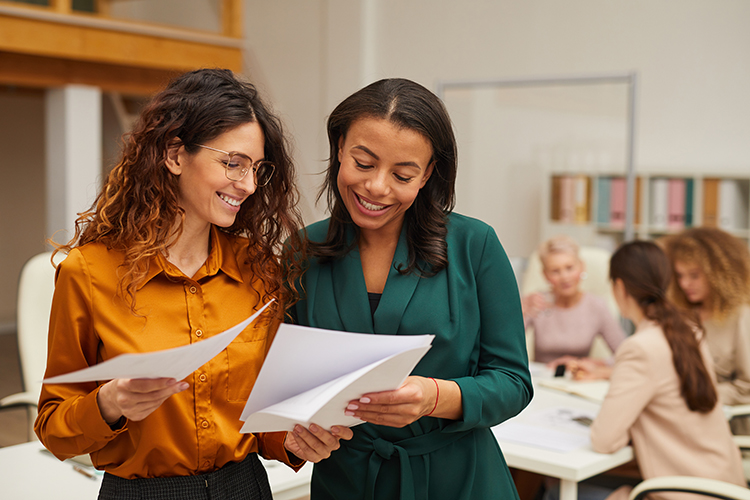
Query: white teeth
{"points": [[370, 206], [231, 201]]}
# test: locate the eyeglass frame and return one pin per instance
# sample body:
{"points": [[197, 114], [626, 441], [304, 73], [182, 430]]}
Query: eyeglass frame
{"points": [[253, 165]]}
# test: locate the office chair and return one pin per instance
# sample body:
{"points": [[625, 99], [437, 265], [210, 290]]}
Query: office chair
{"points": [[596, 282], [685, 484], [35, 288]]}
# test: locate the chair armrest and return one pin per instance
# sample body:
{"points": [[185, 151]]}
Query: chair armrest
{"points": [[20, 399], [699, 485], [731, 411]]}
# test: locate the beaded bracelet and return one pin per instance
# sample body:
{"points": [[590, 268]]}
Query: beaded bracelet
{"points": [[437, 397]]}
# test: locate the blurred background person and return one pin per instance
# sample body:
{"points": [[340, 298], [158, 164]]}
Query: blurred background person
{"points": [[566, 320]]}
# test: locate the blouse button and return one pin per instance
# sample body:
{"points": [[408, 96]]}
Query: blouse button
{"points": [[204, 424], [199, 333], [193, 289], [203, 377]]}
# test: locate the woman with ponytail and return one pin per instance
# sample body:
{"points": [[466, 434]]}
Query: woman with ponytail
{"points": [[662, 396]]}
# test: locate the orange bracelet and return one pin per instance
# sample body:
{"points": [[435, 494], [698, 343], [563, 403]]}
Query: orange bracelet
{"points": [[437, 397]]}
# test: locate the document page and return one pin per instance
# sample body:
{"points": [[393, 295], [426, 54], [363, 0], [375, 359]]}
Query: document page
{"points": [[176, 363], [311, 374]]}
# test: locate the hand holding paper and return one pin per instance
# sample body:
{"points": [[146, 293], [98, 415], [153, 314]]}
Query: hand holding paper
{"points": [[310, 375]]}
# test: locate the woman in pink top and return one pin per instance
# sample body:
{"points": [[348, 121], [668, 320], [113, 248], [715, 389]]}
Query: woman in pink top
{"points": [[662, 397], [566, 320]]}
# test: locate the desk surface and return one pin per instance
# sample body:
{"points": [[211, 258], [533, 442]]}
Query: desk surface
{"points": [[575, 465], [29, 473]]}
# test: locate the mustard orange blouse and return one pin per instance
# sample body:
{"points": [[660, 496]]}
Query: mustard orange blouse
{"points": [[193, 432]]}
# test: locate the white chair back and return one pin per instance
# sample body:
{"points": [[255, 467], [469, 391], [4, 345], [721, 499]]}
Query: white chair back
{"points": [[35, 289]]}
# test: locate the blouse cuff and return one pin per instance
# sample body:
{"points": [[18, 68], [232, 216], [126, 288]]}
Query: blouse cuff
{"points": [[271, 446], [93, 425]]}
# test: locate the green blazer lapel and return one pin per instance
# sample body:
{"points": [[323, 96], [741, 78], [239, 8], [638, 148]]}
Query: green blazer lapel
{"points": [[350, 292], [398, 291]]}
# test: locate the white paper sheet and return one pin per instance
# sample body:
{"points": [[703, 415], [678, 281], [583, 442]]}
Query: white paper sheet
{"points": [[559, 429], [311, 374], [176, 363]]}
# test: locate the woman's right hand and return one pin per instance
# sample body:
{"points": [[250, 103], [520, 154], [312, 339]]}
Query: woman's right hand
{"points": [[533, 304], [135, 399]]}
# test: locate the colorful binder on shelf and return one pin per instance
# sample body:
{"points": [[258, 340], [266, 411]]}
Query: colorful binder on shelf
{"points": [[567, 199], [659, 201], [676, 203], [617, 202], [555, 198], [603, 204], [581, 199], [689, 189], [710, 202], [732, 211]]}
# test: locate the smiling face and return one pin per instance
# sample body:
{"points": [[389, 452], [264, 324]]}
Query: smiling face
{"points": [[383, 167], [563, 272], [693, 281], [206, 195]]}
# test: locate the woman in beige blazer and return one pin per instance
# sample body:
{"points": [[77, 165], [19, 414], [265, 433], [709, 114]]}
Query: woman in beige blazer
{"points": [[662, 396]]}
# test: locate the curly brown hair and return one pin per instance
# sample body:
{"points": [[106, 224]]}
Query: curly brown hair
{"points": [[723, 258], [137, 210]]}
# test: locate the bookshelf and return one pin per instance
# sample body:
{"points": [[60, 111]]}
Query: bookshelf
{"points": [[590, 207]]}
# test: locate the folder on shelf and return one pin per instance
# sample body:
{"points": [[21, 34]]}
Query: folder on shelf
{"points": [[603, 187], [731, 206], [659, 202], [555, 198], [617, 202], [567, 199], [676, 203], [689, 187], [582, 195], [710, 202]]}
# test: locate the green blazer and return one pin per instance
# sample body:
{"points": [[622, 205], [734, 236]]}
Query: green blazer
{"points": [[473, 309]]}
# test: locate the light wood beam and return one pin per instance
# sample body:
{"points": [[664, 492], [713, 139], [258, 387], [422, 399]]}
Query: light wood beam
{"points": [[231, 18]]}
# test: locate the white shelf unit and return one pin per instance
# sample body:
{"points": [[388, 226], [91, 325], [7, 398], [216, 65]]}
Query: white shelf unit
{"points": [[735, 196]]}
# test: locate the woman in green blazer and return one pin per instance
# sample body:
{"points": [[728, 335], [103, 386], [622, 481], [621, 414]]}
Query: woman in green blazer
{"points": [[393, 259]]}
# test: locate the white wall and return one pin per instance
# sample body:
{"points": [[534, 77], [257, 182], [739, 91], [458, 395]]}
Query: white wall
{"points": [[690, 56]]}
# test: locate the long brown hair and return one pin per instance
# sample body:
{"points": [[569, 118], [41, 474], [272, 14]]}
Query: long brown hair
{"points": [[137, 210], [645, 271], [411, 106], [723, 258]]}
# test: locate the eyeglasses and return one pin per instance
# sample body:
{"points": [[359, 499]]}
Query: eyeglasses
{"points": [[236, 166]]}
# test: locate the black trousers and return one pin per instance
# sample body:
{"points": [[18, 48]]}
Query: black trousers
{"points": [[246, 480]]}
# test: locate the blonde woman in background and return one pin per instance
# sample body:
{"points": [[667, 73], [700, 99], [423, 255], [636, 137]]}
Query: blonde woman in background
{"points": [[566, 319], [712, 277]]}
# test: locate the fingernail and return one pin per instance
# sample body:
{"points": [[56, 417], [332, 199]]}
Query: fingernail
{"points": [[297, 429], [349, 413], [364, 400], [352, 406], [335, 430], [183, 386], [313, 427]]}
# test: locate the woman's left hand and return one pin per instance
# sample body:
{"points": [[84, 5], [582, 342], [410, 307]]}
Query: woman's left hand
{"points": [[315, 444], [414, 399]]}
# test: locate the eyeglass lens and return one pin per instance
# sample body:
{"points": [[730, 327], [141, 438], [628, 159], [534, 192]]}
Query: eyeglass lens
{"points": [[238, 166]]}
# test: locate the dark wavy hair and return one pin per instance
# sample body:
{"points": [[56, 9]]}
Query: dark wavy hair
{"points": [[137, 210], [646, 273], [411, 106], [723, 258]]}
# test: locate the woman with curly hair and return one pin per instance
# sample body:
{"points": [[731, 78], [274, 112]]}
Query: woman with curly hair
{"points": [[712, 276], [182, 242], [394, 259]]}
